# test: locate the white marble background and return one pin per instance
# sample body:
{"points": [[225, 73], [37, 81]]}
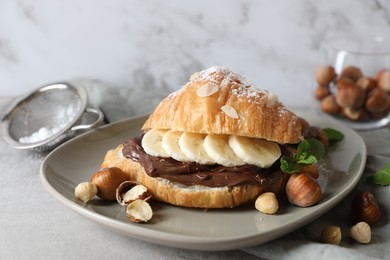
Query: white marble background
{"points": [[159, 44]]}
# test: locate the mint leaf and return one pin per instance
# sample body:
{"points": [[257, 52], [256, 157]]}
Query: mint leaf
{"points": [[333, 135], [381, 177], [288, 165], [309, 151]]}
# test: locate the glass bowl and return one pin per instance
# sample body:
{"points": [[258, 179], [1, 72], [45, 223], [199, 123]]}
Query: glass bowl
{"points": [[353, 80]]}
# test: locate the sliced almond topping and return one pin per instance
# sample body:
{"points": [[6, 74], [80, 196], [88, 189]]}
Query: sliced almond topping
{"points": [[207, 90], [230, 111], [271, 100]]}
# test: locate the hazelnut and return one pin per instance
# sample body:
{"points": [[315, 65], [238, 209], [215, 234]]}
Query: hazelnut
{"points": [[311, 170], [302, 190], [365, 208], [267, 203], [378, 101], [304, 123], [329, 105], [139, 211], [130, 191], [366, 83], [85, 191], [349, 95], [383, 78], [351, 72], [331, 235], [321, 92], [314, 132], [361, 232], [355, 115], [107, 181], [325, 74]]}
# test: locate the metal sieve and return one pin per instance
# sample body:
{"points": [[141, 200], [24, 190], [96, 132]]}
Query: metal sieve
{"points": [[49, 116]]}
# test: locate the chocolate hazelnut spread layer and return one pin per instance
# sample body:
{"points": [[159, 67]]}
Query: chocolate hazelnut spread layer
{"points": [[190, 173]]}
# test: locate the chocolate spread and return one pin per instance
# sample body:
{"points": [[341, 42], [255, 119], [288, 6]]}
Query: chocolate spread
{"points": [[190, 173]]}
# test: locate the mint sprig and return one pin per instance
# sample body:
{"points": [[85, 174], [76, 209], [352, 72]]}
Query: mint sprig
{"points": [[333, 135], [381, 177], [308, 152]]}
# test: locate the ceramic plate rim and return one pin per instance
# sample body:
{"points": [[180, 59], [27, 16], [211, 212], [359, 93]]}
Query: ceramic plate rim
{"points": [[199, 242]]}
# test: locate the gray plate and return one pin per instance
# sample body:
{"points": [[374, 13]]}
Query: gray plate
{"points": [[76, 160]]}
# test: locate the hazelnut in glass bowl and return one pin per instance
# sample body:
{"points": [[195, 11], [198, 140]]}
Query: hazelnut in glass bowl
{"points": [[353, 81]]}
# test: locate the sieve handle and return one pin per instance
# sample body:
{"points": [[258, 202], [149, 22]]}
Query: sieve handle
{"points": [[99, 120]]}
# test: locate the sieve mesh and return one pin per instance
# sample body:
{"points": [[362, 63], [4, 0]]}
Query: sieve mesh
{"points": [[47, 111]]}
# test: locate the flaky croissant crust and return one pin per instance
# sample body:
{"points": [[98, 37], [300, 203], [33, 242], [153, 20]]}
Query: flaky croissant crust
{"points": [[236, 108]]}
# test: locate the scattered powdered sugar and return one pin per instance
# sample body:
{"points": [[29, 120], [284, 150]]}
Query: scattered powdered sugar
{"points": [[42, 134], [230, 111], [227, 74]]}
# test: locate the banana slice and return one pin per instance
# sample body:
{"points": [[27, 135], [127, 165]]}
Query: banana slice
{"points": [[170, 143], [217, 147], [259, 152], [191, 144], [152, 143]]}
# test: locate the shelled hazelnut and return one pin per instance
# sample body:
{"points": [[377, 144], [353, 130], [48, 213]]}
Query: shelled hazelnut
{"points": [[353, 95]]}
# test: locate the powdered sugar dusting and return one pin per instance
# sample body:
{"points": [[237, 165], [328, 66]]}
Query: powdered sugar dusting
{"points": [[230, 111]]}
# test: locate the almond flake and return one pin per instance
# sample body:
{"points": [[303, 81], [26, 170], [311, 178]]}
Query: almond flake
{"points": [[207, 90], [229, 111], [271, 100]]}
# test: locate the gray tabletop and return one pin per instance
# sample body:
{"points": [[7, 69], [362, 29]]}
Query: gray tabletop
{"points": [[34, 225]]}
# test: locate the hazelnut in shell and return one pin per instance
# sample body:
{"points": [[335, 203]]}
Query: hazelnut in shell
{"points": [[349, 95], [321, 92], [325, 74], [130, 191], [367, 83], [329, 105], [378, 101], [351, 72], [383, 78], [302, 190], [107, 181], [365, 208]]}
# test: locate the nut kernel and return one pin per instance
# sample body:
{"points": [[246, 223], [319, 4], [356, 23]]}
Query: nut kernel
{"points": [[267, 203], [361, 232], [85, 191], [139, 211], [331, 235]]}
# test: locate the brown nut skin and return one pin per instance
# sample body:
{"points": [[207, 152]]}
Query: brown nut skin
{"points": [[367, 83], [349, 95], [330, 106], [321, 92], [325, 74], [316, 133], [383, 78], [302, 190], [378, 101], [107, 181], [351, 72], [365, 208]]}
